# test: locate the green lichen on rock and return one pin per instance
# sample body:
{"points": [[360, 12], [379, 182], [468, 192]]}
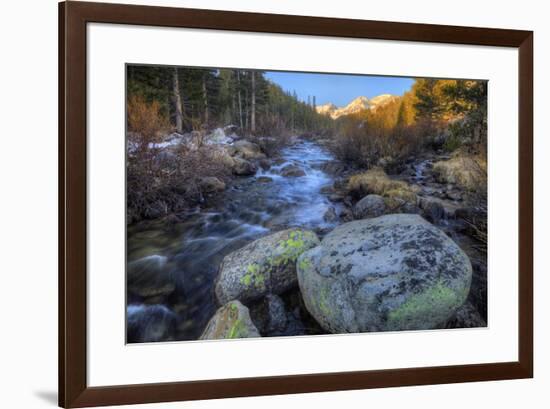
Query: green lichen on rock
{"points": [[437, 301], [238, 330], [267, 265], [304, 263], [388, 273], [230, 321], [246, 279], [323, 301], [254, 276], [289, 249]]}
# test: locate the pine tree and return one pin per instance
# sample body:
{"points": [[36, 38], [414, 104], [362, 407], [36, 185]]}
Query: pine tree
{"points": [[253, 103], [177, 101]]}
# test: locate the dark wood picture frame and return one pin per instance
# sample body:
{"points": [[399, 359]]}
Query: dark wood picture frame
{"points": [[73, 388]]}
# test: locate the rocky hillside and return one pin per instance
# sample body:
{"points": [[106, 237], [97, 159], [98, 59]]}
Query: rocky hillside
{"points": [[360, 103]]}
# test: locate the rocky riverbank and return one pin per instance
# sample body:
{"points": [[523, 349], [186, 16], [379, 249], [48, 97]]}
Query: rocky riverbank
{"points": [[302, 244]]}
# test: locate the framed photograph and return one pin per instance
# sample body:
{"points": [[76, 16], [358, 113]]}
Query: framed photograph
{"points": [[254, 204]]}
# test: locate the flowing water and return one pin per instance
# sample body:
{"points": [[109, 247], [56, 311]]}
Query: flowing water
{"points": [[192, 247], [180, 255]]}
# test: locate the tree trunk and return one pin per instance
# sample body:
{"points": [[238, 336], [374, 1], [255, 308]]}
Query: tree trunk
{"points": [[205, 99], [253, 107], [239, 99], [176, 97], [246, 109]]}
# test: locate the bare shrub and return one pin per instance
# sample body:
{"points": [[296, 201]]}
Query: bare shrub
{"points": [[477, 201], [364, 144], [161, 181], [193, 166], [173, 181], [351, 143]]}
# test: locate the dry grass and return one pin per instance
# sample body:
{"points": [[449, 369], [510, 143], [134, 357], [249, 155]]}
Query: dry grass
{"points": [[466, 171], [477, 199], [375, 181], [396, 193]]}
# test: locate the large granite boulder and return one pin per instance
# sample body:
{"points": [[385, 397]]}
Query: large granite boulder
{"points": [[267, 265], [390, 273]]}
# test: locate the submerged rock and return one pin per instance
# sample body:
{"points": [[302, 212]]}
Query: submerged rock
{"points": [[149, 277], [150, 323], [394, 272], [292, 171], [230, 321], [264, 179], [267, 265], [369, 206]]}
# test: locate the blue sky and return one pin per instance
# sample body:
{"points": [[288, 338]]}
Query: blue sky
{"points": [[336, 88]]}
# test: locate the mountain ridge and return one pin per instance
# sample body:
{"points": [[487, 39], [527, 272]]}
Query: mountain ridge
{"points": [[358, 104]]}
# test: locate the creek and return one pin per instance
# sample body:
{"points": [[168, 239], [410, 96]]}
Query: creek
{"points": [[189, 251]]}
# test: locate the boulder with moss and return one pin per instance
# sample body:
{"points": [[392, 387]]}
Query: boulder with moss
{"points": [[230, 321], [265, 266], [390, 273], [398, 195]]}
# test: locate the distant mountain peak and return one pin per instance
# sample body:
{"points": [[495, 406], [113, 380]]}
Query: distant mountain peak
{"points": [[360, 103], [326, 109], [381, 99], [359, 100]]}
